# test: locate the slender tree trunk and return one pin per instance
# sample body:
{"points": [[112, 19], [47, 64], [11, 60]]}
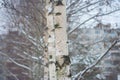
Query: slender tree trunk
{"points": [[51, 73], [57, 41], [62, 56]]}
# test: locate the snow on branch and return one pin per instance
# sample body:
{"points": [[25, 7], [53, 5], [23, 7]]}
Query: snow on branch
{"points": [[80, 75], [18, 64], [97, 15], [33, 40]]}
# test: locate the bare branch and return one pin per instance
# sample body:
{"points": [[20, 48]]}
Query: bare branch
{"points": [[13, 75], [97, 15], [81, 74], [18, 64]]}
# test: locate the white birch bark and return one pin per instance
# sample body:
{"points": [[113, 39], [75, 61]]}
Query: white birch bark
{"points": [[61, 40], [51, 73], [57, 41]]}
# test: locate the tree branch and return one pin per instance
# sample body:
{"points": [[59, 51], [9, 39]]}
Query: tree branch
{"points": [[18, 64], [80, 74], [97, 15]]}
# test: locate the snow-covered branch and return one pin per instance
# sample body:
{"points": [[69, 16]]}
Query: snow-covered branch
{"points": [[18, 64], [97, 15], [80, 75]]}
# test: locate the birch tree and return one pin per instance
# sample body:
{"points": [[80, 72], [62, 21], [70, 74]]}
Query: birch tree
{"points": [[57, 40], [77, 10], [23, 23]]}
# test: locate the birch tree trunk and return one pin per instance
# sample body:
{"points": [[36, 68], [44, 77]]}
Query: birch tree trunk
{"points": [[50, 36], [57, 41], [62, 56]]}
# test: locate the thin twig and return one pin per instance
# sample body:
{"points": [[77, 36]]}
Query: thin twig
{"points": [[80, 74], [18, 64], [97, 15]]}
